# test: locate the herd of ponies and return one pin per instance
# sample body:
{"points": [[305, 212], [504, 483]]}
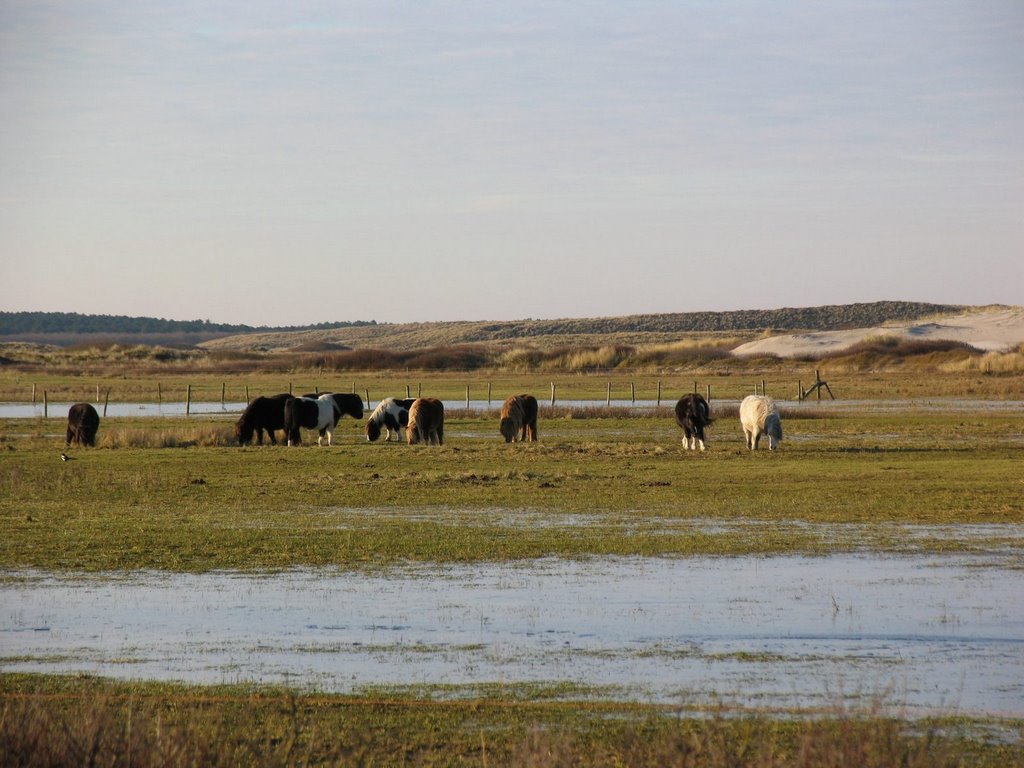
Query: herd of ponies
{"points": [[421, 419]]}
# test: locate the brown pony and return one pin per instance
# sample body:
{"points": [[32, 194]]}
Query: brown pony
{"points": [[519, 419], [83, 421], [426, 422]]}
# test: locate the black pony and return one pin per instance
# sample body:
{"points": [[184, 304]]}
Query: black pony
{"points": [[693, 415], [321, 412], [83, 421], [263, 413]]}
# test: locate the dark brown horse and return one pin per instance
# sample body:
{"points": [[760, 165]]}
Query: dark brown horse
{"points": [[693, 415], [519, 419], [426, 422], [83, 421], [263, 413]]}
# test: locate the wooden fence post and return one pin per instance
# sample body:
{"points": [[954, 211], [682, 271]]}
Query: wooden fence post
{"points": [[367, 398], [46, 404], [419, 389], [467, 396], [188, 400], [407, 393], [105, 401], [247, 395], [223, 390], [33, 394], [159, 394], [608, 397], [709, 394], [659, 393], [764, 391], [488, 394], [97, 393], [552, 394]]}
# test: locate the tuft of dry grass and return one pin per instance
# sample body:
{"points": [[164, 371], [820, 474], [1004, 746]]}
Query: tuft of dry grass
{"points": [[205, 436]]}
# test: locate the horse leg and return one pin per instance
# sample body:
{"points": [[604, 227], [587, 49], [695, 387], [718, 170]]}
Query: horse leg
{"points": [[747, 435]]}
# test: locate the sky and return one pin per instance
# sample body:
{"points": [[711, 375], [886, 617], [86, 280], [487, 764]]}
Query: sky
{"points": [[310, 162]]}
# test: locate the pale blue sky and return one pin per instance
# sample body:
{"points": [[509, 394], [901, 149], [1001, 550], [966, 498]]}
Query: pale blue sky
{"points": [[305, 162]]}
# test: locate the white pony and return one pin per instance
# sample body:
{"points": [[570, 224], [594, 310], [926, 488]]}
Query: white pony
{"points": [[391, 415], [760, 416]]}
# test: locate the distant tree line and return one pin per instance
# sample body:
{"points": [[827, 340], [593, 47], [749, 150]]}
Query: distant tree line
{"points": [[18, 323]]}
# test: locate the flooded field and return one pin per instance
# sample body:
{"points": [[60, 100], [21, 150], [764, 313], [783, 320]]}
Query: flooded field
{"points": [[915, 634]]}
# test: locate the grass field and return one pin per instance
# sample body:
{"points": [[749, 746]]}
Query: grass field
{"points": [[82, 721], [357, 505], [173, 494]]}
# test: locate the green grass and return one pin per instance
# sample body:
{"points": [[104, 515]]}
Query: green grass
{"points": [[591, 487], [80, 721]]}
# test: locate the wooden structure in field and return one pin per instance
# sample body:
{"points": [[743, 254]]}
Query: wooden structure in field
{"points": [[816, 387]]}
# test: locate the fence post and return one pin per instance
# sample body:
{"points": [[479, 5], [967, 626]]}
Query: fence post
{"points": [[488, 394], [407, 393], [709, 393], [659, 393], [223, 387], [799, 390], [764, 390], [419, 389], [159, 394], [632, 391], [289, 388], [552, 394], [33, 394], [367, 398], [46, 404], [467, 396], [247, 395], [608, 397], [105, 401], [97, 393], [188, 400]]}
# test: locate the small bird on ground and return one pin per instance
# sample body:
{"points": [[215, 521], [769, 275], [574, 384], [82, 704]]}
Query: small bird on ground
{"points": [[65, 457]]}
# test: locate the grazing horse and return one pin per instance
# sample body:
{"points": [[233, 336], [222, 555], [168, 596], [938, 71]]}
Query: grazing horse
{"points": [[391, 415], [83, 421], [322, 414], [519, 419], [263, 413], [694, 416], [426, 422], [760, 416]]}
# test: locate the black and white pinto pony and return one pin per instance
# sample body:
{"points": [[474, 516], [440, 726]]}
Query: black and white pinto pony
{"points": [[694, 416], [263, 413], [760, 416], [518, 420], [426, 422], [392, 416], [83, 423], [321, 413]]}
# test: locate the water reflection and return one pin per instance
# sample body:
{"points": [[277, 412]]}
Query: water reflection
{"points": [[923, 633]]}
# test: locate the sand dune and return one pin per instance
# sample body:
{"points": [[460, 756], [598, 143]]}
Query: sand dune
{"points": [[988, 328]]}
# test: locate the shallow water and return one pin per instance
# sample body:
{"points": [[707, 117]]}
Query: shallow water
{"points": [[169, 409], [918, 634]]}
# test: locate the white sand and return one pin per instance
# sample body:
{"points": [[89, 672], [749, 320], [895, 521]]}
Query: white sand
{"points": [[989, 328]]}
